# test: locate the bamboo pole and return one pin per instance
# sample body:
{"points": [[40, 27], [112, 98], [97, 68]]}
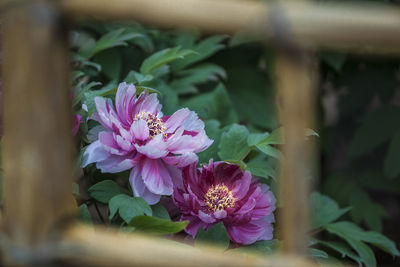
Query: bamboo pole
{"points": [[355, 27], [295, 82], [83, 245], [37, 143]]}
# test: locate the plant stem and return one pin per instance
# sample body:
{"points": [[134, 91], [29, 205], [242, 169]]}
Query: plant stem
{"points": [[98, 212]]}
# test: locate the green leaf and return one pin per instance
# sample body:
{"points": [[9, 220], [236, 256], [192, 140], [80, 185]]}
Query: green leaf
{"points": [[311, 132], [91, 94], [345, 188], [83, 62], [113, 38], [264, 247], [261, 167], [364, 208], [275, 138], [233, 144], [324, 210], [213, 131], [342, 249], [79, 97], [365, 252], [376, 128], [157, 226], [188, 79], [256, 138], [111, 62], [392, 158], [140, 89], [354, 237], [137, 78], [381, 242], [243, 37], [203, 49], [316, 253], [251, 91], [334, 60], [163, 57], [240, 163], [75, 75], [270, 151], [160, 211], [215, 235], [128, 207], [213, 105], [105, 190], [84, 214], [328, 262], [84, 42]]}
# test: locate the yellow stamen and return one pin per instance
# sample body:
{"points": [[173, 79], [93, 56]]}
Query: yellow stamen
{"points": [[219, 197]]}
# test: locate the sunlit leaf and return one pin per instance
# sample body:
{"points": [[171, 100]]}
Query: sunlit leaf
{"points": [[156, 226], [163, 57], [128, 207]]}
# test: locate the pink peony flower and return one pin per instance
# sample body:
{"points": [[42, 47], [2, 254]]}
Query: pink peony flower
{"points": [[138, 137], [77, 120], [222, 192]]}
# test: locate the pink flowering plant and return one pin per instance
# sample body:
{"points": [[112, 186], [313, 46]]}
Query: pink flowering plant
{"points": [[222, 192], [178, 138], [137, 137]]}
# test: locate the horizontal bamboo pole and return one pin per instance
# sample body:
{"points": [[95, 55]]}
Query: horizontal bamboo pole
{"points": [[357, 27], [101, 247]]}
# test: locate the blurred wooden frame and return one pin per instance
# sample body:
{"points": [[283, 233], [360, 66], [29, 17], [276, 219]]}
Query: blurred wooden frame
{"points": [[38, 225]]}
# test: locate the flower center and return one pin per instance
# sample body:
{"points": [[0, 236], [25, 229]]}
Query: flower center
{"points": [[219, 197], [156, 126]]}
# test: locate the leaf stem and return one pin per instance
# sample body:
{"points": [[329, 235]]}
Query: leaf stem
{"points": [[98, 212], [316, 231], [245, 155]]}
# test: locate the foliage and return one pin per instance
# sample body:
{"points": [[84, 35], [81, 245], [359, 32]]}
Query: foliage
{"points": [[228, 82]]}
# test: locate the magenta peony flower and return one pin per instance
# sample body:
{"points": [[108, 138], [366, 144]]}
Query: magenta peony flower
{"points": [[137, 136], [222, 192], [77, 120]]}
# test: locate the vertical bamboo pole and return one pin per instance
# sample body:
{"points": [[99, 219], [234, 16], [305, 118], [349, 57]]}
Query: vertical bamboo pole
{"points": [[37, 144], [295, 81]]}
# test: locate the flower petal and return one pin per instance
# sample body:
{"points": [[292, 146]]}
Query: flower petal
{"points": [[156, 176], [247, 233], [124, 144], [194, 225], [124, 100], [93, 133], [109, 143], [241, 186], [181, 161], [193, 123], [116, 163], [148, 103], [207, 218], [94, 152], [140, 189], [176, 120], [140, 130], [180, 143], [220, 214], [154, 149], [104, 111]]}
